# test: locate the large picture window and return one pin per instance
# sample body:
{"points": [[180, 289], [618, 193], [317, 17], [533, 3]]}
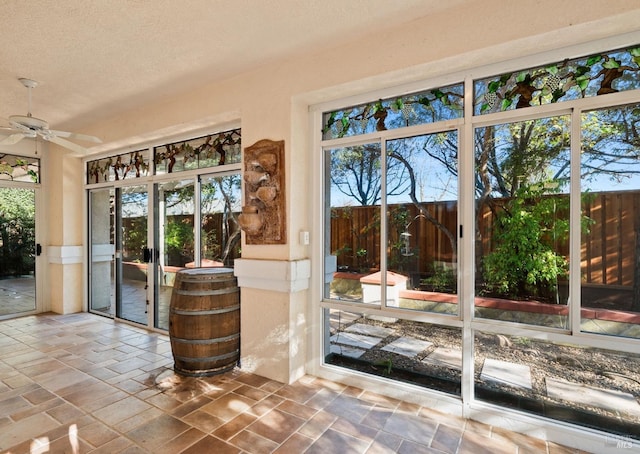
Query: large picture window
{"points": [[391, 217], [517, 217]]}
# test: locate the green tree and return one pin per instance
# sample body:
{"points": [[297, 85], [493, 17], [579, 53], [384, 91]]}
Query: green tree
{"points": [[357, 173], [220, 199], [524, 260], [17, 231]]}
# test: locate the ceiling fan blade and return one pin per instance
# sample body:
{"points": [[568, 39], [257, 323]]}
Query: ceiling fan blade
{"points": [[66, 144], [12, 139], [73, 135]]}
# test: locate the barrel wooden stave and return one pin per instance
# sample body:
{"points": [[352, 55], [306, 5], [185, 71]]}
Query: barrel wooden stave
{"points": [[204, 321]]}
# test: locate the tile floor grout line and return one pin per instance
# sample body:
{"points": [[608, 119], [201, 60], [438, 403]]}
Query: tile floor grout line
{"points": [[72, 349]]}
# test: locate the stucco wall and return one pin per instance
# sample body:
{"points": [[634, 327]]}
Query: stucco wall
{"points": [[272, 103], [263, 99]]}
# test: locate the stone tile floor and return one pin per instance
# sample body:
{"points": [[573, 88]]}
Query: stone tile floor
{"points": [[84, 383]]}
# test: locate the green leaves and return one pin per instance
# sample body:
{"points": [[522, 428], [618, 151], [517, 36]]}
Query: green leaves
{"points": [[524, 262], [611, 63], [561, 81]]}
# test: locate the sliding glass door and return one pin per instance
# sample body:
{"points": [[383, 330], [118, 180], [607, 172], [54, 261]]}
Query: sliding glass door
{"points": [[102, 251], [17, 250], [154, 212], [136, 250]]}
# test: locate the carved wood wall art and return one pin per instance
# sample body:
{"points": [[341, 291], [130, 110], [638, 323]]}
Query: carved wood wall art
{"points": [[263, 217]]}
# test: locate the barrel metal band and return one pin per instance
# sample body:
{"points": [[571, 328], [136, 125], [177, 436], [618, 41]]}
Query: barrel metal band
{"points": [[208, 358], [235, 307], [223, 291], [207, 278], [206, 341]]}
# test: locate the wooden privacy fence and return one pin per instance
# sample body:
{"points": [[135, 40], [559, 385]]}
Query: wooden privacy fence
{"points": [[355, 237], [608, 248], [214, 238]]}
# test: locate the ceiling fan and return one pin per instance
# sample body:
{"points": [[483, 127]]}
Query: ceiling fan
{"points": [[28, 126]]}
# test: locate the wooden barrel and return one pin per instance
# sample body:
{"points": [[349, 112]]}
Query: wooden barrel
{"points": [[204, 321]]}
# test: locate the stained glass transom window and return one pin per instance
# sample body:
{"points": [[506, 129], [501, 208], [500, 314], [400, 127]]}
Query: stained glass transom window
{"points": [[19, 168], [594, 75], [120, 167], [209, 151], [427, 106]]}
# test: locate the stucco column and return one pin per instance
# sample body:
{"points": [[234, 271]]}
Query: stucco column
{"points": [[272, 324], [64, 290]]}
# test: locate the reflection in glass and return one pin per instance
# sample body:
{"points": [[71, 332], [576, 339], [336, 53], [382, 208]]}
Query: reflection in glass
{"points": [[522, 217], [102, 252], [175, 220], [131, 267]]}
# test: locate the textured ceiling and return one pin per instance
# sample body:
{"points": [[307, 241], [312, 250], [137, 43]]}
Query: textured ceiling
{"points": [[93, 59]]}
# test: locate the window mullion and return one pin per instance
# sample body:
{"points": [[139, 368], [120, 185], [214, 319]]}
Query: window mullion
{"points": [[466, 210], [383, 224], [575, 228]]}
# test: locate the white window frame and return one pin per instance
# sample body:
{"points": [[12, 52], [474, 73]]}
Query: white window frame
{"points": [[466, 405]]}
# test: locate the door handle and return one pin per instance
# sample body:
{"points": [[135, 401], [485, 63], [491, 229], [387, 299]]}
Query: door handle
{"points": [[147, 255], [38, 249]]}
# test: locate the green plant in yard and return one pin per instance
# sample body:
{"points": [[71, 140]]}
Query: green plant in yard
{"points": [[524, 261], [178, 240], [442, 279], [386, 363]]}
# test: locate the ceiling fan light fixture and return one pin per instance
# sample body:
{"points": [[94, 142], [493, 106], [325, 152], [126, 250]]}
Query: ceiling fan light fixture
{"points": [[29, 122], [29, 83]]}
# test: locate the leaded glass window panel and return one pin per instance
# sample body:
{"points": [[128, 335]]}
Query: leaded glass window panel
{"points": [[594, 75], [209, 151], [427, 106], [120, 167], [19, 168]]}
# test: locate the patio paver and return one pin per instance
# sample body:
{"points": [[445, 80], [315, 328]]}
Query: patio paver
{"points": [[371, 330], [505, 372], [355, 340], [407, 346], [345, 350], [603, 398], [441, 356]]}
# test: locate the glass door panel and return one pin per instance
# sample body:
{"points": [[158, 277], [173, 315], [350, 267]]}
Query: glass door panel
{"points": [[610, 246], [131, 262], [220, 200], [17, 251], [422, 221], [352, 220], [522, 222], [175, 240], [102, 252]]}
